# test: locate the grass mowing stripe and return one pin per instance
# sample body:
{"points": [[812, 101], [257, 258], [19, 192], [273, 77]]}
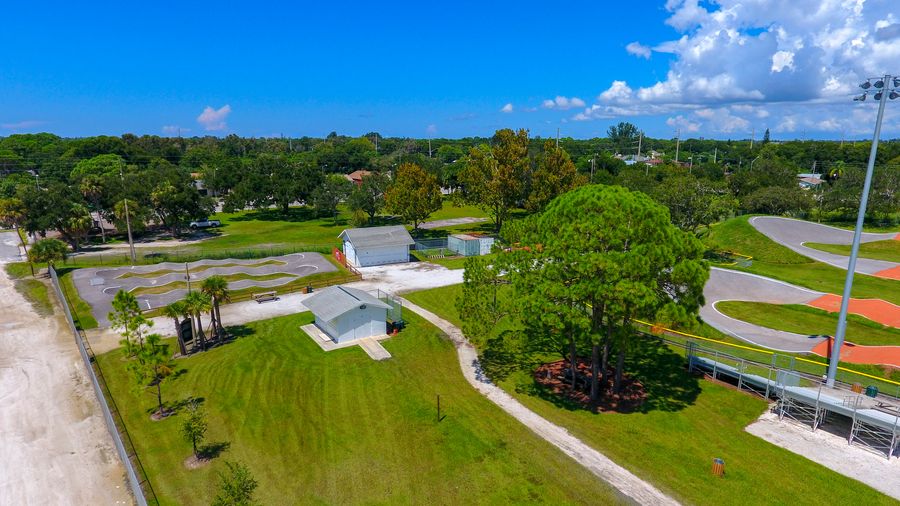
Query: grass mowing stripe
{"points": [[338, 427]]}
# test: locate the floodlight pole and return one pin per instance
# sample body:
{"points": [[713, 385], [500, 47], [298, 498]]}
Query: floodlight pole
{"points": [[854, 249]]}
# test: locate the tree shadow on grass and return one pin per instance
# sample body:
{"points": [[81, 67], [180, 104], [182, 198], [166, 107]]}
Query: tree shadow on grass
{"points": [[293, 215], [213, 450], [661, 372], [499, 359], [236, 332]]}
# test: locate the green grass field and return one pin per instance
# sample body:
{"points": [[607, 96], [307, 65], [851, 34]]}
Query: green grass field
{"points": [[687, 423], [340, 428], [879, 250], [775, 261], [199, 268], [809, 320]]}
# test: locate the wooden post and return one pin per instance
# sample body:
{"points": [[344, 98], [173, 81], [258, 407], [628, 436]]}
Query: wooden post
{"points": [[439, 408]]}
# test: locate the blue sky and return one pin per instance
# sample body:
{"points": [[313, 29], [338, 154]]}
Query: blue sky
{"points": [[434, 69]]}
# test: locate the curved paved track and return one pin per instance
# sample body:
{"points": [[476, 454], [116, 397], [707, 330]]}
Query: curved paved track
{"points": [[794, 233], [725, 284], [97, 286]]}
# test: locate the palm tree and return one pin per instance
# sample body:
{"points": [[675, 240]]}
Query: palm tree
{"points": [[197, 304], [176, 311], [217, 288]]}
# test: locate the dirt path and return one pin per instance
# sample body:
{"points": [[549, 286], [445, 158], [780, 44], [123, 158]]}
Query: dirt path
{"points": [[599, 464], [54, 445]]}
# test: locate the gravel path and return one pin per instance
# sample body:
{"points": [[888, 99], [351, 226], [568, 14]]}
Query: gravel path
{"points": [[794, 233], [54, 444], [726, 284], [599, 464]]}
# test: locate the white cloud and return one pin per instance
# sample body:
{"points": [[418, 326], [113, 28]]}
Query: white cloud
{"points": [[639, 50], [21, 125], [562, 103], [684, 124], [431, 129], [508, 108], [794, 64], [214, 119]]}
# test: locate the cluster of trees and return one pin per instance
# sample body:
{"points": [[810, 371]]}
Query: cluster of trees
{"points": [[66, 185], [100, 188], [577, 290]]}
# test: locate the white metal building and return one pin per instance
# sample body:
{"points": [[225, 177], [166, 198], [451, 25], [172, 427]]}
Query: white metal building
{"points": [[364, 247], [345, 314]]}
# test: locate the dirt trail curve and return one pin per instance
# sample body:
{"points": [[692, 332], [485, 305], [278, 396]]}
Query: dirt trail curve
{"points": [[794, 233], [54, 445], [599, 464]]}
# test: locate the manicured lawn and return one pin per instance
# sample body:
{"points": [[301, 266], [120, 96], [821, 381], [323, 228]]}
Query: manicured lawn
{"points": [[879, 250], [775, 261], [37, 294], [340, 428], [685, 423], [809, 320]]}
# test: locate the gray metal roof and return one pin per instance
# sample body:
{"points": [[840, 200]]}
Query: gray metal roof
{"points": [[334, 301], [374, 237]]}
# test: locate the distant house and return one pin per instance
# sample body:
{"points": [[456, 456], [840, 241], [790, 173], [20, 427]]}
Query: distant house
{"points": [[356, 176], [345, 313], [809, 181], [365, 247], [470, 245]]}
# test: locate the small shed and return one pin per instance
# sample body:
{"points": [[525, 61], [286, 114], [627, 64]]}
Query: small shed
{"points": [[365, 247], [345, 313], [470, 245]]}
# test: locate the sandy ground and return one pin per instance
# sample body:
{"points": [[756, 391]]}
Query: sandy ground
{"points": [[831, 451], [595, 462], [54, 445], [794, 233], [450, 222]]}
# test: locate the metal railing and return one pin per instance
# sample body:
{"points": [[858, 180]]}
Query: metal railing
{"points": [[140, 485]]}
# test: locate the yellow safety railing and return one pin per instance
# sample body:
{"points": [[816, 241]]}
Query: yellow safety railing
{"points": [[764, 351]]}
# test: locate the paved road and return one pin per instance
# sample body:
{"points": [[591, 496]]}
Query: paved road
{"points": [[726, 284], [9, 247], [595, 462], [794, 233], [98, 286]]}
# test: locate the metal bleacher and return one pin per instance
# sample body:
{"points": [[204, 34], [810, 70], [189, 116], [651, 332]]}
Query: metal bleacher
{"points": [[874, 419]]}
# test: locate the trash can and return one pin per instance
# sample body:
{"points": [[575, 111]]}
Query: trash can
{"points": [[718, 467], [856, 388], [309, 289], [872, 391]]}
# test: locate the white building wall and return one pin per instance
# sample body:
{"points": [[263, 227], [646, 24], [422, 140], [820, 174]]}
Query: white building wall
{"points": [[366, 257], [327, 327], [350, 253], [361, 323]]}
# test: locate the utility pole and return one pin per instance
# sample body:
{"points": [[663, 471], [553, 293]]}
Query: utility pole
{"points": [[677, 144], [752, 136], [187, 276], [716, 154], [592, 167], [429, 148], [882, 94], [640, 140], [557, 137], [127, 218]]}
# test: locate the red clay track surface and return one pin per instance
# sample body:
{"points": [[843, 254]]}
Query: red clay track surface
{"points": [[876, 310], [856, 354]]}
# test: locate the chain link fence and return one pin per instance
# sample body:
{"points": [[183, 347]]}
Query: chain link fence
{"points": [[140, 485]]}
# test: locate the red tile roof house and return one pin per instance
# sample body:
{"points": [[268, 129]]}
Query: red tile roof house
{"points": [[356, 176]]}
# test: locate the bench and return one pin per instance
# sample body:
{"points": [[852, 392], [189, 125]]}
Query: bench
{"points": [[264, 297]]}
